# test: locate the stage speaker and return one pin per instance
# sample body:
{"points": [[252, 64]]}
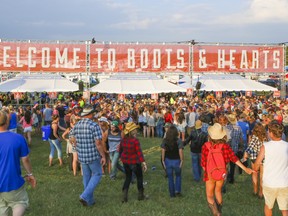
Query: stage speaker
{"points": [[198, 85], [81, 86]]}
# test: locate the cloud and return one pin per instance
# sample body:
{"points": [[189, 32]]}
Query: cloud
{"points": [[134, 24], [257, 12]]}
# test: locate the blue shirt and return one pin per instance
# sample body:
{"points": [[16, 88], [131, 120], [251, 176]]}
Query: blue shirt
{"points": [[12, 148], [245, 129], [13, 121], [86, 133]]}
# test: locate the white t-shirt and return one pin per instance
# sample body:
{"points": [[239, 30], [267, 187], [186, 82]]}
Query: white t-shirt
{"points": [[275, 167]]}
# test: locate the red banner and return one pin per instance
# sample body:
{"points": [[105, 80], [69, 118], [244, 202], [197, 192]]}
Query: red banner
{"points": [[154, 96], [38, 57], [121, 97], [52, 95], [265, 59], [18, 95], [142, 57], [218, 94], [248, 93], [189, 92], [276, 94]]}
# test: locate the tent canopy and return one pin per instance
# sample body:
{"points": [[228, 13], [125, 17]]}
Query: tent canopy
{"points": [[226, 82], [136, 84], [38, 83]]}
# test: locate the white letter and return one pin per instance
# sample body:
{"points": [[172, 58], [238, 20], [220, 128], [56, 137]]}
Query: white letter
{"points": [[31, 64], [75, 58], [144, 58], [168, 58], [244, 60], [265, 52], [99, 50], [18, 60], [131, 58], [232, 59], [6, 56], [62, 59], [255, 59], [276, 58], [45, 61], [221, 58], [111, 58], [180, 57], [202, 58], [156, 58]]}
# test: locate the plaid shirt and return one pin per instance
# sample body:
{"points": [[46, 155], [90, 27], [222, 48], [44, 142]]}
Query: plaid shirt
{"points": [[236, 136], [253, 148], [228, 155], [130, 151], [86, 133], [205, 127]]}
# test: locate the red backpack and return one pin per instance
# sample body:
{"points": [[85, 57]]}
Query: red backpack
{"points": [[216, 167]]}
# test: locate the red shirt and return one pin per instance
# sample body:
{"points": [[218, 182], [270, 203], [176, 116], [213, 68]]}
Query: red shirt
{"points": [[130, 151], [228, 155]]}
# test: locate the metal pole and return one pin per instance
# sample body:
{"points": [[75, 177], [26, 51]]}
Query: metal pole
{"points": [[282, 76]]}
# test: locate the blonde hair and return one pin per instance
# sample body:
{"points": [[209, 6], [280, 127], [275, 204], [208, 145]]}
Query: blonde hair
{"points": [[3, 118]]}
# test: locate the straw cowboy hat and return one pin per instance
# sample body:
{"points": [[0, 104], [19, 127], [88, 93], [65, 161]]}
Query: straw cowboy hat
{"points": [[87, 110], [130, 126], [198, 124], [232, 118], [216, 131], [103, 119]]}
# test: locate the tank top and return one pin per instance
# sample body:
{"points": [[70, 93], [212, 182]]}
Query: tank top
{"points": [[52, 137], [275, 168]]}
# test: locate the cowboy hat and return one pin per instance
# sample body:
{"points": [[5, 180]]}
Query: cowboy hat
{"points": [[232, 118], [198, 124], [130, 126], [87, 110], [216, 131], [103, 119]]}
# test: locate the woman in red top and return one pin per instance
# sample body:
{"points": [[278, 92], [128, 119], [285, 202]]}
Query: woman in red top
{"points": [[217, 135], [132, 157]]}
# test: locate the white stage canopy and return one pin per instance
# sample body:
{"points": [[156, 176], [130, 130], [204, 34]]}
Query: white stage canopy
{"points": [[225, 82], [38, 83], [136, 84]]}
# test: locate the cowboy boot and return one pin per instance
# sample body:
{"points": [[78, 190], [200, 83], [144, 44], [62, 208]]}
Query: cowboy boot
{"points": [[219, 206], [125, 196], [214, 209], [141, 195]]}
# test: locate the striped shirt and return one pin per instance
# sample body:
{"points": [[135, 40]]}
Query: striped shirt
{"points": [[86, 133], [114, 141]]}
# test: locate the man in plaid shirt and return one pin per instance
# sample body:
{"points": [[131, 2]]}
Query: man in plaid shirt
{"points": [[236, 138], [87, 137]]}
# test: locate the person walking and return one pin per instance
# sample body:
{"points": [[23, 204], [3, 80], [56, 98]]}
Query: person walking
{"points": [[259, 136], [173, 157], [133, 160], [196, 139], [275, 169], [13, 149], [114, 139], [87, 137], [217, 140]]}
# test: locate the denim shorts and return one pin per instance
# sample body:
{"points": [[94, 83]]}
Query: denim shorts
{"points": [[12, 199]]}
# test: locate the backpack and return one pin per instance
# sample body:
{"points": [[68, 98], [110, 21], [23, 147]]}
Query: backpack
{"points": [[216, 167]]}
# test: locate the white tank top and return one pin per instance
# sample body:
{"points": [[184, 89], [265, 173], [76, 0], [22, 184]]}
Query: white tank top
{"points": [[275, 168]]}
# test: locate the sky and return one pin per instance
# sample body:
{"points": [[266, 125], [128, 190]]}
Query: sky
{"points": [[237, 21]]}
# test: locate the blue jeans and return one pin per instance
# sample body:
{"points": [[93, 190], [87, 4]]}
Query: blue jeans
{"points": [[92, 174], [159, 130], [171, 167], [196, 167], [114, 157], [55, 144]]}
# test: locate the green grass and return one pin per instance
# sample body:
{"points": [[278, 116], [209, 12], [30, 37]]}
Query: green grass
{"points": [[58, 191]]}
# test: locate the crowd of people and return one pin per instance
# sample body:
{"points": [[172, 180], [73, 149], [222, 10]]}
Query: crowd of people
{"points": [[102, 131]]}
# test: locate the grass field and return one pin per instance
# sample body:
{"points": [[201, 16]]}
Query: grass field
{"points": [[58, 191]]}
